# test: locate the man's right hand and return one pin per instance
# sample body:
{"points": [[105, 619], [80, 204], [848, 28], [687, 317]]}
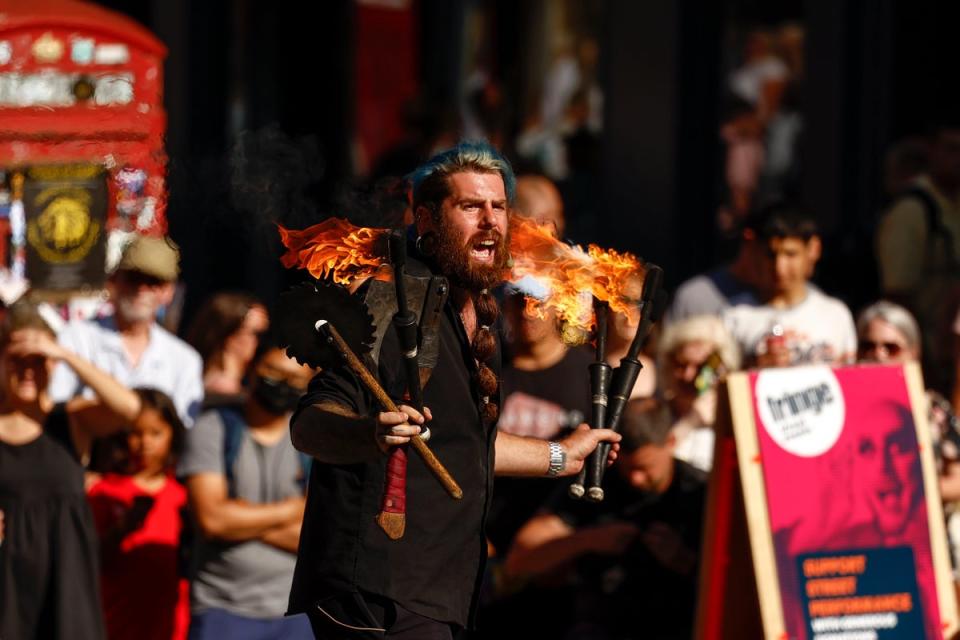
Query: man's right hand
{"points": [[395, 428]]}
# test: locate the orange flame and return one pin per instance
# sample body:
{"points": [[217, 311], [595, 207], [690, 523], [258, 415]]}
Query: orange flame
{"points": [[572, 275], [335, 249], [348, 254]]}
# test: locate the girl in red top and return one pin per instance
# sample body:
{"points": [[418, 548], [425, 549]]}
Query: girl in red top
{"points": [[139, 516]]}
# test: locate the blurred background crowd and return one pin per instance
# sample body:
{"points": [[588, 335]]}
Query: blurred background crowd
{"points": [[794, 167]]}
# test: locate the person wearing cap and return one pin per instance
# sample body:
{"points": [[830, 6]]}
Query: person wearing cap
{"points": [[129, 344]]}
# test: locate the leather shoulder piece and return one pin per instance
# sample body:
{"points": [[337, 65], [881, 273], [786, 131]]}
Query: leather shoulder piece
{"points": [[426, 295]]}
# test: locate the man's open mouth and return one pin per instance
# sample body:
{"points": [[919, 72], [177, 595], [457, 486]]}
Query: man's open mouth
{"points": [[484, 250]]}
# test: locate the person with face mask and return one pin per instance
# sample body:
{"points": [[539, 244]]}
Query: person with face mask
{"points": [[129, 344], [246, 486]]}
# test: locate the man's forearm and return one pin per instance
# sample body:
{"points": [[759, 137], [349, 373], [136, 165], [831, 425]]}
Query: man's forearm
{"points": [[546, 558], [238, 521], [521, 456], [121, 400], [334, 434], [284, 537]]}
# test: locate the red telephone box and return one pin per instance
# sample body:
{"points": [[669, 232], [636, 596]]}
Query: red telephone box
{"points": [[81, 139]]}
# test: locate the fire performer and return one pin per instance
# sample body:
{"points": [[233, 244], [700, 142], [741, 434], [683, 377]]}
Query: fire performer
{"points": [[352, 578]]}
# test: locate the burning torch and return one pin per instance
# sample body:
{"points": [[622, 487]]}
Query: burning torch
{"points": [[600, 373], [652, 303]]}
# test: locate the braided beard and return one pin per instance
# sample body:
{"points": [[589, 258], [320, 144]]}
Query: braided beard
{"points": [[484, 347]]}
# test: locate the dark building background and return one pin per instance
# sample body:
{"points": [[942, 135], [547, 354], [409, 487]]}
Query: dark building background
{"points": [[262, 103]]}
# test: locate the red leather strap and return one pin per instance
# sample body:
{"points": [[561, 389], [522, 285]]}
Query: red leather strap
{"points": [[395, 491]]}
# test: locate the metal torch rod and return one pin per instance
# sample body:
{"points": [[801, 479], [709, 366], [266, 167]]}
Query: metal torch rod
{"points": [[332, 336], [625, 376], [600, 373]]}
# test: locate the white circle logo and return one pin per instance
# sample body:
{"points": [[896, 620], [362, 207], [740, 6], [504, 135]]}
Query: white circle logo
{"points": [[801, 408]]}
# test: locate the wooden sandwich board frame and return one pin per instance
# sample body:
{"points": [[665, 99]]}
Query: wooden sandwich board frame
{"points": [[739, 594]]}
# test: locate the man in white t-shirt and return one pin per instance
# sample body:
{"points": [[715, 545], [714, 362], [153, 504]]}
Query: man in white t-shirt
{"points": [[130, 345], [797, 323]]}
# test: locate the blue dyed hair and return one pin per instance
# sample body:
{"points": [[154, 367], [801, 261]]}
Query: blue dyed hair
{"points": [[429, 180]]}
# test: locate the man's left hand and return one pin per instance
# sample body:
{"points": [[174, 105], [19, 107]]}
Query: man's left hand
{"points": [[582, 442]]}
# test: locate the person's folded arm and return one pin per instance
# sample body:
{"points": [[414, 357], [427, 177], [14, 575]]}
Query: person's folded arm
{"points": [[223, 518], [547, 544], [284, 537]]}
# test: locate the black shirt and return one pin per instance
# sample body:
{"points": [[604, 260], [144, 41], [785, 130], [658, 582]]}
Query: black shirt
{"points": [[435, 569], [634, 595], [563, 392]]}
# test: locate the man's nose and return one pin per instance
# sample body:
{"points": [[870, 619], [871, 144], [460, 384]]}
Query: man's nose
{"points": [[488, 217]]}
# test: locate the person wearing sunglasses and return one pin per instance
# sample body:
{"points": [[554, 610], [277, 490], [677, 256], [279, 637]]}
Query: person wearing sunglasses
{"points": [[889, 334], [48, 557], [129, 344]]}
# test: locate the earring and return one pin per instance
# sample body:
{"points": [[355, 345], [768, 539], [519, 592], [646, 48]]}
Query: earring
{"points": [[427, 243]]}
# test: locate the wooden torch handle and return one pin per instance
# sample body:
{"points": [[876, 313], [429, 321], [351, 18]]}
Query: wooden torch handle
{"points": [[435, 466]]}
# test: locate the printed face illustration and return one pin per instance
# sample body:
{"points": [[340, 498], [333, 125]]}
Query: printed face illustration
{"points": [[887, 467]]}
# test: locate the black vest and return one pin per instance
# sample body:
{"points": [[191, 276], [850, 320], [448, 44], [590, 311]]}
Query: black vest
{"points": [[436, 568]]}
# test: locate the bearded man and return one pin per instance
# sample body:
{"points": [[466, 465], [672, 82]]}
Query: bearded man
{"points": [[351, 578], [129, 344]]}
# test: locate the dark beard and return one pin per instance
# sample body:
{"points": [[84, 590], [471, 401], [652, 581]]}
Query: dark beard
{"points": [[453, 257]]}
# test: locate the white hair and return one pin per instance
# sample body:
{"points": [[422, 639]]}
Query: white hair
{"points": [[893, 314], [705, 328]]}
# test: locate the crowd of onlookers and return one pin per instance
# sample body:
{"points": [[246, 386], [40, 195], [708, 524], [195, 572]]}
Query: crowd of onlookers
{"points": [[149, 487], [628, 568]]}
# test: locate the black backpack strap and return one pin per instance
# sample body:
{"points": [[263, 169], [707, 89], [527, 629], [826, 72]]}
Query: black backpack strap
{"points": [[233, 427], [934, 218]]}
